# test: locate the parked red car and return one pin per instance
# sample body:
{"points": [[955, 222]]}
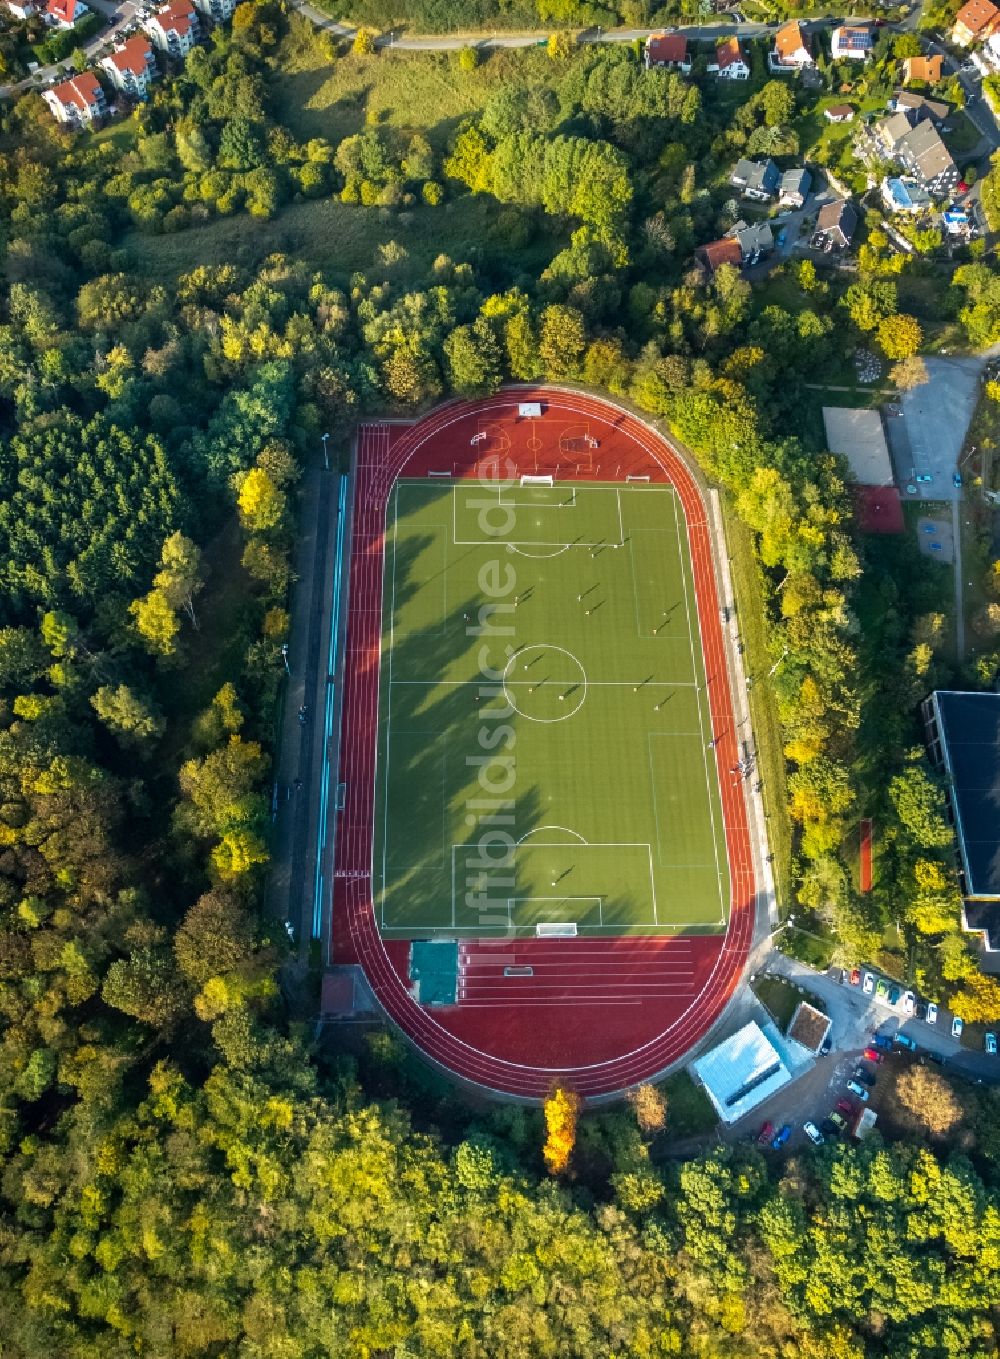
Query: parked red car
{"points": [[855, 975], [765, 1135], [845, 1106], [873, 1055]]}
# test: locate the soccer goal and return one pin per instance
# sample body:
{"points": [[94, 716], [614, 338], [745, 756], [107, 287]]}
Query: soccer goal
{"points": [[555, 929], [538, 480]]}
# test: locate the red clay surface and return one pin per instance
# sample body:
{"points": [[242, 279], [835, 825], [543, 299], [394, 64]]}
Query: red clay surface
{"points": [[598, 1015], [865, 861], [879, 509]]}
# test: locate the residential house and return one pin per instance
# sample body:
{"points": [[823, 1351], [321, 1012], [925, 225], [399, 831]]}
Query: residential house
{"points": [[911, 139], [838, 221], [974, 22], [174, 28], [77, 101], [217, 11], [987, 58], [64, 13], [794, 188], [756, 178], [851, 43], [131, 68], [754, 241], [925, 155], [668, 49], [717, 253], [927, 69], [905, 101], [903, 193], [730, 64], [839, 113], [22, 9], [791, 49]]}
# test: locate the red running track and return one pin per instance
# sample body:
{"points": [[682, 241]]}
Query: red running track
{"points": [[865, 858], [596, 1015]]}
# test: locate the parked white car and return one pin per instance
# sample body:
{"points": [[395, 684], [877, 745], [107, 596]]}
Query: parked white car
{"points": [[932, 1012]]}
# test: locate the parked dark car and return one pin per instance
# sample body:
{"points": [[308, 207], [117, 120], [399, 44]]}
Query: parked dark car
{"points": [[861, 1073], [894, 995], [829, 1127], [883, 1041]]}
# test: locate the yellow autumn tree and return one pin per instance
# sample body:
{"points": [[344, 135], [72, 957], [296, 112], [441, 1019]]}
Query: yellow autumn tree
{"points": [[261, 503], [561, 1110]]}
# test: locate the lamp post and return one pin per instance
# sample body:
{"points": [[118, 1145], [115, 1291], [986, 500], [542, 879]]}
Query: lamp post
{"points": [[326, 454], [777, 662], [284, 657]]}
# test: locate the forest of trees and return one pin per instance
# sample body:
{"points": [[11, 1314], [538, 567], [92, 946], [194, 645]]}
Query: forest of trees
{"points": [[182, 1171]]}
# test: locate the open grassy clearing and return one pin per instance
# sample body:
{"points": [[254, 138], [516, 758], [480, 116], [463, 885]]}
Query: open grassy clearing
{"points": [[412, 91], [344, 238]]}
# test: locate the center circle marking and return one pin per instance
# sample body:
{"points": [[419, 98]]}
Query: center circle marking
{"points": [[516, 667]]}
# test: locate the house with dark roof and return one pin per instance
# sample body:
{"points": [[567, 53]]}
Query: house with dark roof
{"points": [[974, 22], [755, 240], [756, 178], [668, 49], [963, 740], [78, 101], [925, 155], [905, 101], [839, 113], [911, 139], [794, 188], [174, 28], [838, 221], [131, 68]]}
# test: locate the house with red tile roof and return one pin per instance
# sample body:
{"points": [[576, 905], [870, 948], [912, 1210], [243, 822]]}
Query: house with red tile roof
{"points": [[730, 63], [791, 49], [64, 13], [927, 69], [668, 49], [174, 28], [131, 68], [78, 101], [717, 253], [974, 22]]}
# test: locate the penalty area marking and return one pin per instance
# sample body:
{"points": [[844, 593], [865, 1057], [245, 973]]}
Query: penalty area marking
{"points": [[505, 907]]}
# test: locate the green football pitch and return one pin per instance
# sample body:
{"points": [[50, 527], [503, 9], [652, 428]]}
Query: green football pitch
{"points": [[571, 710]]}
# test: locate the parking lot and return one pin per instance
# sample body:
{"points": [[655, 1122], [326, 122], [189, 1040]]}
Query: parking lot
{"points": [[861, 1017]]}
